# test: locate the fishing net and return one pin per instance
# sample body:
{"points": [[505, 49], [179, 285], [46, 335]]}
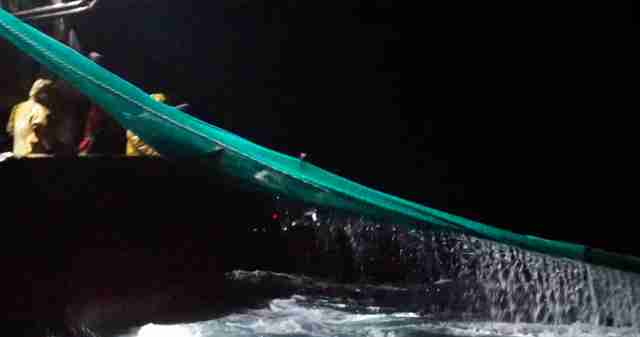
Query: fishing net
{"points": [[177, 134]]}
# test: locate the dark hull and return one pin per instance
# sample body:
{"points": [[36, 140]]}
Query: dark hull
{"points": [[89, 229]]}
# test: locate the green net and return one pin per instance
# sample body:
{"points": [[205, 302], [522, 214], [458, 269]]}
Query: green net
{"points": [[177, 134]]}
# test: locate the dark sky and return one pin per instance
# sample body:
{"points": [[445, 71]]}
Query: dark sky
{"points": [[481, 133]]}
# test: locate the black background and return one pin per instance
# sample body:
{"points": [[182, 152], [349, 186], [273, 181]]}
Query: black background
{"points": [[486, 128]]}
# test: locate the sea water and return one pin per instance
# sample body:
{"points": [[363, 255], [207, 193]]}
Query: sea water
{"points": [[467, 287], [301, 316]]}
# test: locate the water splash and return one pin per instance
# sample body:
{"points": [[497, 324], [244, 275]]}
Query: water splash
{"points": [[458, 276]]}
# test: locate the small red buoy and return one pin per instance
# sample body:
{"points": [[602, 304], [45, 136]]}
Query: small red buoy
{"points": [[274, 216]]}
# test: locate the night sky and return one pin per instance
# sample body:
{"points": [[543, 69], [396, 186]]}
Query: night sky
{"points": [[482, 133]]}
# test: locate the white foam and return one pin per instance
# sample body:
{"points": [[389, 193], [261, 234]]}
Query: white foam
{"points": [[302, 317], [155, 330], [406, 315]]}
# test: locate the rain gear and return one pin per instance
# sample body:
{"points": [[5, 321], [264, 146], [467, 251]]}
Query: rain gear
{"points": [[28, 124]]}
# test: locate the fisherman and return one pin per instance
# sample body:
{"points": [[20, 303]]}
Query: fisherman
{"points": [[94, 120], [102, 134], [28, 124], [48, 122]]}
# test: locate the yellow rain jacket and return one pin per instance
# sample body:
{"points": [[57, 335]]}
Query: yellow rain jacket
{"points": [[27, 124]]}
